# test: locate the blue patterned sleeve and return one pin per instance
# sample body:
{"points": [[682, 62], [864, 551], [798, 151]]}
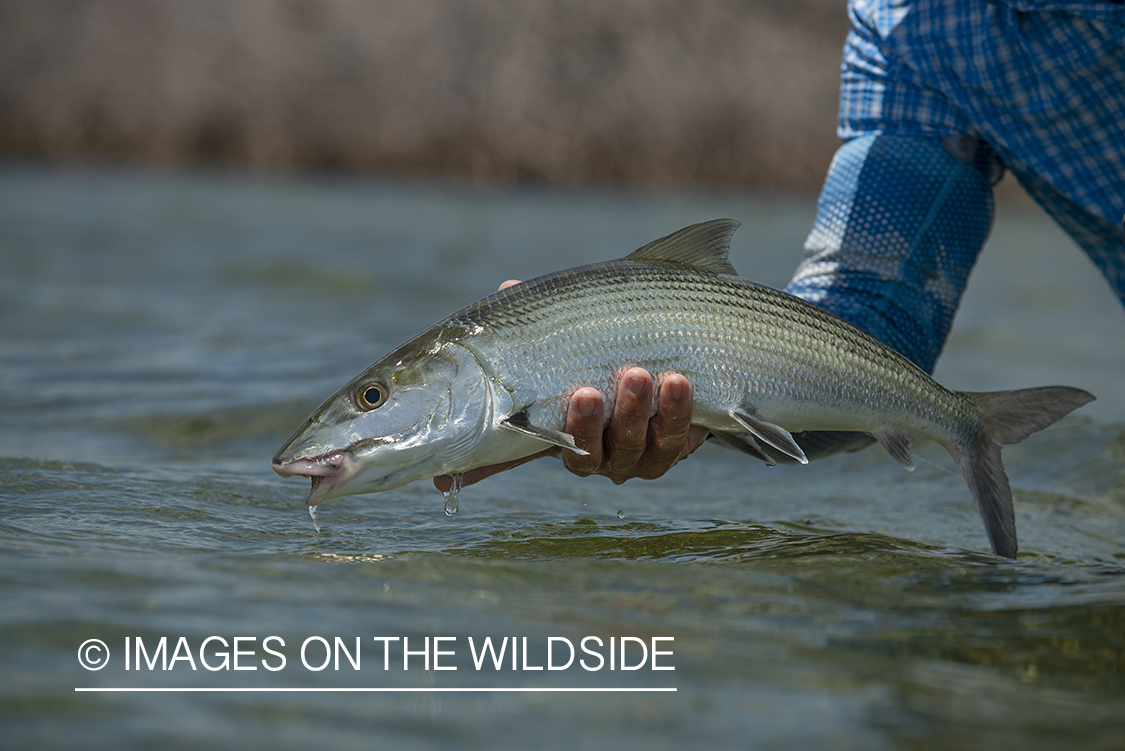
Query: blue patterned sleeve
{"points": [[1033, 86]]}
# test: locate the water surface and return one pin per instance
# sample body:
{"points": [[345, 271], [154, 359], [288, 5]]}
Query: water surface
{"points": [[162, 333]]}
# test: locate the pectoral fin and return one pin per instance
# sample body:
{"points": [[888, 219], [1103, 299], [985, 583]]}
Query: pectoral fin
{"points": [[521, 423], [767, 432]]}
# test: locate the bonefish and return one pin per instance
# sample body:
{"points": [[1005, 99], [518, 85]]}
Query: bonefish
{"points": [[491, 382]]}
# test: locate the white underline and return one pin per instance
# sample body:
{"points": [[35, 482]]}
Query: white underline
{"points": [[374, 690]]}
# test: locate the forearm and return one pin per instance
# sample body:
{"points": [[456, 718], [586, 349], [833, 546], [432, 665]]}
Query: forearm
{"points": [[899, 226]]}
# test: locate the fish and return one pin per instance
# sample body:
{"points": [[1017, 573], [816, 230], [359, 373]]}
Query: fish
{"points": [[770, 371]]}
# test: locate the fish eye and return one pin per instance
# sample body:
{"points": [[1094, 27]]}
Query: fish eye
{"points": [[371, 395]]}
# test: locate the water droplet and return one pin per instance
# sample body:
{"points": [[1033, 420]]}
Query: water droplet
{"points": [[315, 518], [620, 514], [452, 505]]}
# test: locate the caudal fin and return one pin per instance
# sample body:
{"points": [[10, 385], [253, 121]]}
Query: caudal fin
{"points": [[1007, 417]]}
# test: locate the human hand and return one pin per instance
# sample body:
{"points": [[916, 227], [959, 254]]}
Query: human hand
{"points": [[633, 444]]}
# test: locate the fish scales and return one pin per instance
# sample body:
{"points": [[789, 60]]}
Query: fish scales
{"points": [[770, 372], [729, 336]]}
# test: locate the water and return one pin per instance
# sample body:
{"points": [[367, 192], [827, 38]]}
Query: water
{"points": [[452, 500], [162, 333]]}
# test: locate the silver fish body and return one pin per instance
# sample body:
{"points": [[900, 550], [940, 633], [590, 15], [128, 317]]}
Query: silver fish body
{"points": [[491, 382]]}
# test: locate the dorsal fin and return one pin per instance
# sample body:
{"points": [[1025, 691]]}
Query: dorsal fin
{"points": [[704, 246]]}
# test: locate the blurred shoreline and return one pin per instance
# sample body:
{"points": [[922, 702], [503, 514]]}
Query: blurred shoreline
{"points": [[639, 93]]}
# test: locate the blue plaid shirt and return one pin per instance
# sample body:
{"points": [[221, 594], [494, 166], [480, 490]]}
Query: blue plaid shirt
{"points": [[1043, 83]]}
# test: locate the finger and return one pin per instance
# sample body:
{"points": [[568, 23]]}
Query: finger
{"points": [[585, 418], [673, 417], [671, 436], [626, 436]]}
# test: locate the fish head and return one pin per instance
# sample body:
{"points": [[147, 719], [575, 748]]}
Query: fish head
{"points": [[409, 416]]}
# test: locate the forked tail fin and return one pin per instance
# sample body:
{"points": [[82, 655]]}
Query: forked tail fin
{"points": [[1007, 417]]}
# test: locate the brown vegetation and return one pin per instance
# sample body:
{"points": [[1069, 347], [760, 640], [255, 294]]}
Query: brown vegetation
{"points": [[713, 92]]}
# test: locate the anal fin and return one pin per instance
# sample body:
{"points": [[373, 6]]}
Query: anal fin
{"points": [[521, 423], [898, 446]]}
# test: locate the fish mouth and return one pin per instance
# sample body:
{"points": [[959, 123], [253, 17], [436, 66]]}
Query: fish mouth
{"points": [[327, 472]]}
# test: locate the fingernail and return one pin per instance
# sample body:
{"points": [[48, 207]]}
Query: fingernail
{"points": [[587, 405], [636, 385], [677, 389]]}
